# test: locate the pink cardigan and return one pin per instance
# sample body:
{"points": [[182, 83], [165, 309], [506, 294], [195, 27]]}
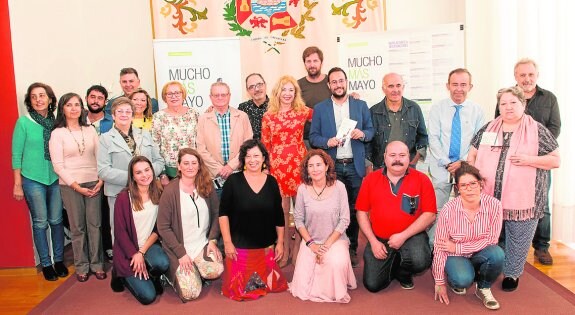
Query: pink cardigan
{"points": [[209, 140]]}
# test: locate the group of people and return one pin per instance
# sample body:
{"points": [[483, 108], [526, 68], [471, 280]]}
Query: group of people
{"points": [[191, 198]]}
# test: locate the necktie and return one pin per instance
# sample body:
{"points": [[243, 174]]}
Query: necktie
{"points": [[455, 143]]}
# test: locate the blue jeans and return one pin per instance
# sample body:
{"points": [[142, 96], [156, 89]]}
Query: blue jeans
{"points": [[483, 267], [543, 231], [347, 174], [157, 263], [45, 204], [413, 257]]}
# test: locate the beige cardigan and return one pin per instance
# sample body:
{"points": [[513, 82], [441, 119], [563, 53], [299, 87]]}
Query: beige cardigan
{"points": [[209, 139]]}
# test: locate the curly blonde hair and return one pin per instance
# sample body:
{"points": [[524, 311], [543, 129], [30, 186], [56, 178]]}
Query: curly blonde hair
{"points": [[298, 104]]}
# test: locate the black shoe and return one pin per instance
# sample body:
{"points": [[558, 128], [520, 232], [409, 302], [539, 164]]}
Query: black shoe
{"points": [[509, 284], [407, 283], [61, 269], [49, 273], [158, 286], [116, 282]]}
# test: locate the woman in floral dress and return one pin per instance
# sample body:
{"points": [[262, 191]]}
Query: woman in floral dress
{"points": [[282, 134]]}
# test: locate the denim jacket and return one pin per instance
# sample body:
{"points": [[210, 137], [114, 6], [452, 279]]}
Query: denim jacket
{"points": [[412, 124]]}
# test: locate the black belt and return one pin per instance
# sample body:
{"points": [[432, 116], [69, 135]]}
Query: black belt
{"points": [[344, 161]]}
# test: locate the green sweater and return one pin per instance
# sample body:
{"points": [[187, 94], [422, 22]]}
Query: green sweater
{"points": [[28, 152]]}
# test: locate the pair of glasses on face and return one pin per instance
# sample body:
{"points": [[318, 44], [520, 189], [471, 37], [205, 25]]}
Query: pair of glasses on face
{"points": [[174, 94], [468, 186], [256, 86]]}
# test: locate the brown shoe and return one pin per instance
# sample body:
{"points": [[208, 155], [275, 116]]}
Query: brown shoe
{"points": [[82, 277], [544, 257], [100, 275]]}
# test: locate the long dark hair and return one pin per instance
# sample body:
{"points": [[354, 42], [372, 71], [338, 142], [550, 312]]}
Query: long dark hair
{"points": [[329, 173], [49, 92], [203, 180], [61, 119], [249, 144], [154, 190]]}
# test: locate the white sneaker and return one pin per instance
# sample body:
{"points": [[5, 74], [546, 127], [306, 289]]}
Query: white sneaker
{"points": [[488, 300]]}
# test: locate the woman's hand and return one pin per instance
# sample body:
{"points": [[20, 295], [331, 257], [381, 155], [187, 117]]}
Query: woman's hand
{"points": [[84, 191], [18, 192], [213, 250], [445, 245], [279, 251], [96, 189], [186, 264], [138, 265], [323, 248], [230, 250], [441, 294], [164, 180], [520, 160]]}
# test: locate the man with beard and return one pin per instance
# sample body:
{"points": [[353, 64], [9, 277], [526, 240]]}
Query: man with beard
{"points": [[313, 87], [130, 81], [396, 118], [349, 156], [258, 104], [96, 97], [394, 207], [542, 106]]}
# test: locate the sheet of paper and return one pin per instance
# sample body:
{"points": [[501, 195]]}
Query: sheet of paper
{"points": [[345, 129]]}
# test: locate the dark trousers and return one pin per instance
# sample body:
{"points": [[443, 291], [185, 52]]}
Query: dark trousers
{"points": [[106, 229], [347, 174], [413, 257]]}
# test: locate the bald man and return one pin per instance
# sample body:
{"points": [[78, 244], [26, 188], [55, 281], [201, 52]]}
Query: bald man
{"points": [[397, 118], [394, 207]]}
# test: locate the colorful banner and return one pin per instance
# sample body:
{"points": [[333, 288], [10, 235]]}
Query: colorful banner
{"points": [[272, 33], [198, 63]]}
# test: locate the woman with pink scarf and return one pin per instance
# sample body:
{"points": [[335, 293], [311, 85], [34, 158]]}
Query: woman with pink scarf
{"points": [[515, 153]]}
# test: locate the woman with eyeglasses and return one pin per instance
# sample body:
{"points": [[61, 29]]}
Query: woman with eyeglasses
{"points": [[188, 226], [73, 146], [142, 109], [465, 245], [117, 148], [515, 153], [282, 134], [174, 128]]}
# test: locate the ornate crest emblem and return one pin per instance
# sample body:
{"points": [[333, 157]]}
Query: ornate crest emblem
{"points": [[263, 19]]}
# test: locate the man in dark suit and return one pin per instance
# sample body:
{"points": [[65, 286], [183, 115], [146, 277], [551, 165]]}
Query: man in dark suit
{"points": [[348, 150]]}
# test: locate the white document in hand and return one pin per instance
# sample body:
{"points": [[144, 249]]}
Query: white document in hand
{"points": [[344, 131]]}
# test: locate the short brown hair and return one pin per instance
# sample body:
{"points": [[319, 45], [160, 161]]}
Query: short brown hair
{"points": [[125, 71], [459, 70], [310, 51], [121, 101], [330, 172]]}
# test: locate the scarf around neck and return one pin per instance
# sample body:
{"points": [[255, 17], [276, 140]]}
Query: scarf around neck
{"points": [[47, 124]]}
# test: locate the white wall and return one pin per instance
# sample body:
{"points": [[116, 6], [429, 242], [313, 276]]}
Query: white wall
{"points": [[72, 45]]}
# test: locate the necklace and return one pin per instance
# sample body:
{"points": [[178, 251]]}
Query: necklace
{"points": [[82, 148], [321, 192]]}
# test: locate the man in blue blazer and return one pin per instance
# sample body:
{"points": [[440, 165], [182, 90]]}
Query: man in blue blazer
{"points": [[349, 156]]}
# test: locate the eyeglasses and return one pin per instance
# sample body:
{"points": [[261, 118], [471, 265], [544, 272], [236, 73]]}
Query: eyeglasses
{"points": [[174, 94], [256, 86], [222, 95], [470, 185]]}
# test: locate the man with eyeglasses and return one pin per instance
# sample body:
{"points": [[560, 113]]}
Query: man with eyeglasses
{"points": [[452, 123], [396, 118], [258, 104], [130, 81], [331, 115], [221, 132], [394, 207]]}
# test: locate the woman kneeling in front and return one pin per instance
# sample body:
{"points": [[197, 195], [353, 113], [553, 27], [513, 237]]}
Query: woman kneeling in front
{"points": [[188, 225], [323, 270], [139, 260], [465, 246]]}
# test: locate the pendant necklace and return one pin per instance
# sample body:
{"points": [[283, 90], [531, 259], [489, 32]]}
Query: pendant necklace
{"points": [[321, 192], [82, 148]]}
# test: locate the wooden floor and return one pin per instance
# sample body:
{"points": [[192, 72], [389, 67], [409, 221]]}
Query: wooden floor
{"points": [[22, 289]]}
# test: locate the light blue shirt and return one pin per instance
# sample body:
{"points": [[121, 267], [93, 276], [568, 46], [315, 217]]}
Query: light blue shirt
{"points": [[439, 129]]}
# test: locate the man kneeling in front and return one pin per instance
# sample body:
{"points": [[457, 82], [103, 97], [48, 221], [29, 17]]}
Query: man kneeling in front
{"points": [[394, 207]]}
